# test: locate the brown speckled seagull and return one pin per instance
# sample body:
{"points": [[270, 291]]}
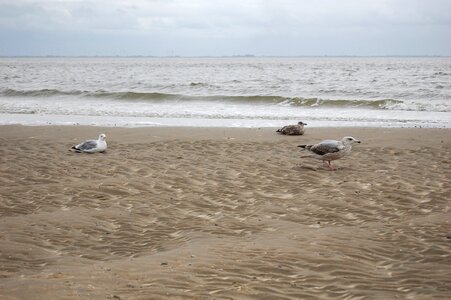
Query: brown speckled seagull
{"points": [[297, 129]]}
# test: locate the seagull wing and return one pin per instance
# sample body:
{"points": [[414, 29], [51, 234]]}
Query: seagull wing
{"points": [[326, 147], [284, 128], [87, 145]]}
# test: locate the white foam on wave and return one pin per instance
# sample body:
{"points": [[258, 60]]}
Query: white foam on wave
{"points": [[115, 121]]}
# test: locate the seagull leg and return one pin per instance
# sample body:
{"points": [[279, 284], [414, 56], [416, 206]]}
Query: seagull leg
{"points": [[330, 166]]}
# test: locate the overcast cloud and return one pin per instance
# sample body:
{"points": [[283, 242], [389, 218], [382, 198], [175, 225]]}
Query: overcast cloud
{"points": [[225, 27]]}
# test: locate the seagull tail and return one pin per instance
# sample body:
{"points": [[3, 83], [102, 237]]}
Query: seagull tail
{"points": [[305, 147], [279, 130]]}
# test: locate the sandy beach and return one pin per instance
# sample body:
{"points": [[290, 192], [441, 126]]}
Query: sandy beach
{"points": [[223, 213]]}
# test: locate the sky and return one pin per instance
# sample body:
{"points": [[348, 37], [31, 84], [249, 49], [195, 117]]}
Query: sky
{"points": [[224, 27]]}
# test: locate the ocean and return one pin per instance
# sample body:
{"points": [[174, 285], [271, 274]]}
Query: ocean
{"points": [[226, 91]]}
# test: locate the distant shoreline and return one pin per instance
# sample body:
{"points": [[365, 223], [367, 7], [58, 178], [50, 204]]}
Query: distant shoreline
{"points": [[225, 56]]}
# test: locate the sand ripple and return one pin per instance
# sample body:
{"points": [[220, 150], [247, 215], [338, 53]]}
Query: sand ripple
{"points": [[214, 219]]}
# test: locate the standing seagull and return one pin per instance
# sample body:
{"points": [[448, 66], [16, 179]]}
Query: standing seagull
{"points": [[92, 146], [297, 129], [329, 150]]}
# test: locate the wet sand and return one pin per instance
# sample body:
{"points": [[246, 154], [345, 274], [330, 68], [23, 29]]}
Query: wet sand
{"points": [[220, 213]]}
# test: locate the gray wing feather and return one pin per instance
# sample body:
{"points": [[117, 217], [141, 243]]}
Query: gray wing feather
{"points": [[326, 147], [88, 145]]}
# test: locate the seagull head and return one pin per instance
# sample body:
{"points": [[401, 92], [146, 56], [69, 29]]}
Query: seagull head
{"points": [[102, 137], [302, 123], [349, 140]]}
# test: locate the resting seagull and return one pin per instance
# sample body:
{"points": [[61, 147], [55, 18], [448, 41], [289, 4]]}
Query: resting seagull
{"points": [[297, 129], [92, 146], [329, 150]]}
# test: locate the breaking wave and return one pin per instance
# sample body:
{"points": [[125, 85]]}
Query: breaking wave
{"points": [[385, 104]]}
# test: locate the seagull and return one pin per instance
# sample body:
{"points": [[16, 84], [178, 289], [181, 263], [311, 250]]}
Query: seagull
{"points": [[91, 146], [297, 129], [329, 150]]}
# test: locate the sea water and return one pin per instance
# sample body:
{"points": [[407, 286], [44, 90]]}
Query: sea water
{"points": [[226, 91]]}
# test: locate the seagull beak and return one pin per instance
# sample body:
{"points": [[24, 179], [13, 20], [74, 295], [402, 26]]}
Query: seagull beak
{"points": [[358, 142]]}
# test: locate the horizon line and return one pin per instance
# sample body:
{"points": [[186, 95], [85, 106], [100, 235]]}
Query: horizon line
{"points": [[212, 56]]}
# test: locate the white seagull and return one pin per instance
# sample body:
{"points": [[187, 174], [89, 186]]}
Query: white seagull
{"points": [[92, 146], [297, 129], [329, 150]]}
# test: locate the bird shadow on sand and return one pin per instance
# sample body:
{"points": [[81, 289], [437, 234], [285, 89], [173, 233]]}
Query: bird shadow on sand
{"points": [[302, 167]]}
